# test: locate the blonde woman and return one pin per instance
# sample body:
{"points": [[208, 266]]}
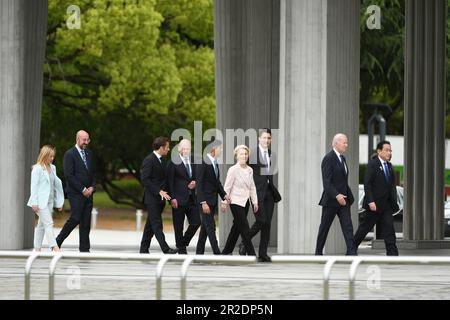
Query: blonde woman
{"points": [[46, 193], [239, 185]]}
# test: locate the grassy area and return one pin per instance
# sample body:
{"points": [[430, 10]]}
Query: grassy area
{"points": [[446, 174], [400, 169], [102, 200]]}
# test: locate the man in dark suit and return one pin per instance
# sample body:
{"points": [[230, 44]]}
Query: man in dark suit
{"points": [[153, 178], [79, 172], [181, 184], [337, 196], [267, 193], [380, 199], [208, 188]]}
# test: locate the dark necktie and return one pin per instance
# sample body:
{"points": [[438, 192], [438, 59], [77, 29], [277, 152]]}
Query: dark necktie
{"points": [[83, 156], [188, 167], [266, 160], [344, 164], [216, 168]]}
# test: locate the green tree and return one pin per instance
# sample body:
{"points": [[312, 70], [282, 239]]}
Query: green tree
{"points": [[133, 71], [382, 63]]}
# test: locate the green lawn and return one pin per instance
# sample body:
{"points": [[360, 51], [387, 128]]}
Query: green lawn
{"points": [[446, 174], [102, 200]]}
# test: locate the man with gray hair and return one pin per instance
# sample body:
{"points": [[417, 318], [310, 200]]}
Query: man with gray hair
{"points": [[337, 196], [181, 187]]}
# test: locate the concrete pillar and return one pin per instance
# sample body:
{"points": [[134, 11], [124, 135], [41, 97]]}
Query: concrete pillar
{"points": [[425, 102], [319, 96], [246, 44], [23, 26]]}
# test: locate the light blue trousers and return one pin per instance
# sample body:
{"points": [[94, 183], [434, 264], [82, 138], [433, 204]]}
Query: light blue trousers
{"points": [[45, 226]]}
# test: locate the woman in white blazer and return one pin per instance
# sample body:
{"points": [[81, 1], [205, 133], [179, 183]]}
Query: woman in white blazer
{"points": [[46, 193]]}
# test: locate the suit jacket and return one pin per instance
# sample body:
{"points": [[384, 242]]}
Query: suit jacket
{"points": [[208, 185], [77, 175], [335, 181], [264, 182], [377, 189], [40, 188], [153, 178], [178, 180], [240, 186]]}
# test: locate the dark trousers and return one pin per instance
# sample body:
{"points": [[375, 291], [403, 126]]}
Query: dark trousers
{"points": [[154, 226], [80, 214], [387, 229], [208, 229], [263, 222], [240, 227], [328, 214], [193, 216]]}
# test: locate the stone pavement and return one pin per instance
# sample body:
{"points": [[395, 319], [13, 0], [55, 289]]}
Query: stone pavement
{"points": [[105, 280]]}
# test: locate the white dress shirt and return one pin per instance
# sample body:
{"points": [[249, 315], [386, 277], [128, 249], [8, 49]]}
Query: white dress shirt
{"points": [[339, 157]]}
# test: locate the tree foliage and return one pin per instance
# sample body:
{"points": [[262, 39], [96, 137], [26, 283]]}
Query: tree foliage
{"points": [[133, 71], [382, 63]]}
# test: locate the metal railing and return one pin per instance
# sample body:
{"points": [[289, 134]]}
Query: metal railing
{"points": [[187, 260], [328, 261], [161, 258], [355, 262]]}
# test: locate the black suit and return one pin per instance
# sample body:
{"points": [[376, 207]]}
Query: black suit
{"points": [[208, 188], [153, 175], [382, 191], [268, 195], [178, 179], [335, 181], [77, 178]]}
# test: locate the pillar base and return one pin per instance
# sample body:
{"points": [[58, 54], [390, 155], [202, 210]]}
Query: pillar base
{"points": [[414, 244]]}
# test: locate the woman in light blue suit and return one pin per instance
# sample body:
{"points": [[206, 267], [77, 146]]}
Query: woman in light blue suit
{"points": [[46, 193]]}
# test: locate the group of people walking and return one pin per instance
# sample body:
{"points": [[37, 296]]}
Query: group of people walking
{"points": [[193, 187], [380, 200]]}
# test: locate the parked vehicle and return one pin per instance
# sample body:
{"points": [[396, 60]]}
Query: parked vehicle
{"points": [[447, 219], [398, 216]]}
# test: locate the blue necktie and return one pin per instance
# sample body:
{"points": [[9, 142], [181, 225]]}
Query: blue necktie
{"points": [[188, 167], [386, 172], [83, 156]]}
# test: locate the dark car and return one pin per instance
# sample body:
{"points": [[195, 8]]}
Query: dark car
{"points": [[447, 219], [398, 216]]}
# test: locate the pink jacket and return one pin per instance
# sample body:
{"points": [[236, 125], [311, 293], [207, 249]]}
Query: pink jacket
{"points": [[239, 185]]}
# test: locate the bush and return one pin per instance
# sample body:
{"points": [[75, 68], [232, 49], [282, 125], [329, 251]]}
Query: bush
{"points": [[131, 186]]}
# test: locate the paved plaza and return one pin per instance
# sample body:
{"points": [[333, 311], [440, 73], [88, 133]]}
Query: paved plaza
{"points": [[105, 280]]}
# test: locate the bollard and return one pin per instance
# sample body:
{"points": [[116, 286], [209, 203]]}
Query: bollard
{"points": [[138, 219], [94, 215]]}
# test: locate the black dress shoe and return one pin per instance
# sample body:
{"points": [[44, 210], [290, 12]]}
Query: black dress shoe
{"points": [[242, 251], [182, 251], [264, 259], [171, 251]]}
